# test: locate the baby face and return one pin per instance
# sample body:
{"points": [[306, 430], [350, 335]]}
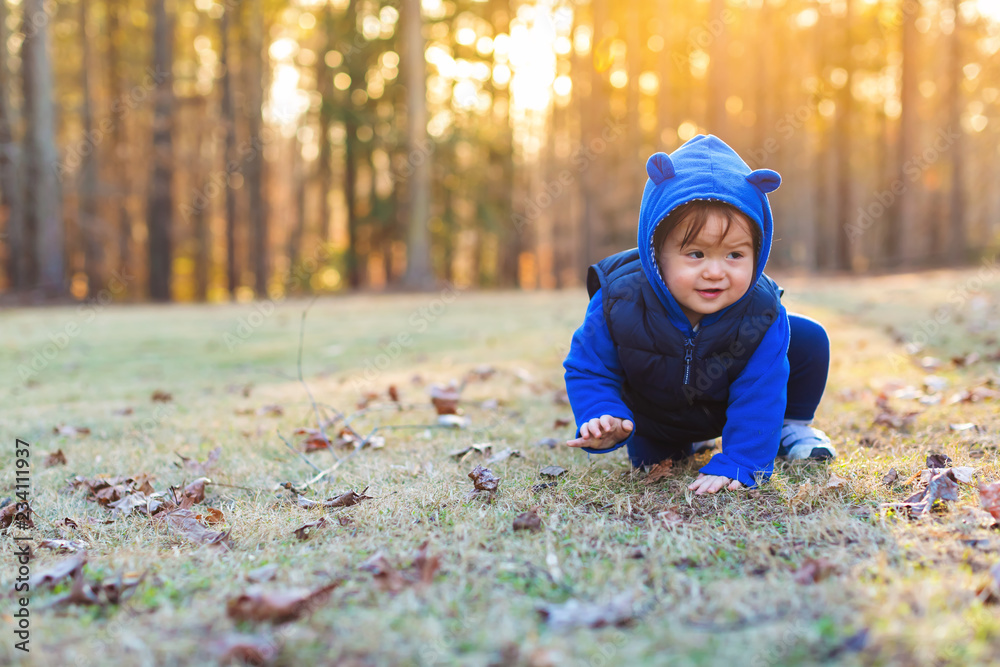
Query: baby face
{"points": [[710, 272]]}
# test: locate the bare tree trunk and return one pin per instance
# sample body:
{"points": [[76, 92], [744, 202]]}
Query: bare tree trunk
{"points": [[200, 209], [42, 205], [324, 170], [159, 214], [229, 156], [904, 242], [10, 182], [91, 227], [957, 240], [350, 201], [294, 247], [121, 147], [717, 79], [418, 261], [255, 163], [842, 130]]}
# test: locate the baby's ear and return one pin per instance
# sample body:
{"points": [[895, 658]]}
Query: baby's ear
{"points": [[659, 167], [767, 180]]}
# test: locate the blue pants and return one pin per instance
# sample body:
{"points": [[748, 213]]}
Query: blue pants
{"points": [[809, 360]]}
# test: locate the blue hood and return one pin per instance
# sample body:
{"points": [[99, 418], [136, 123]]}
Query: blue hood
{"points": [[703, 168]]}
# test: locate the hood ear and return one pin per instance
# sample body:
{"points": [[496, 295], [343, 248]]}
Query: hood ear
{"points": [[659, 167], [766, 180]]}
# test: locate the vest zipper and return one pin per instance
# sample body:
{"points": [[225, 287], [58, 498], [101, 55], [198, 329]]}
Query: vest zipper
{"points": [[688, 354]]}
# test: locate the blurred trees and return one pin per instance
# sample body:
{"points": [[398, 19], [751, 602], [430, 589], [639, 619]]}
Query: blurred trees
{"points": [[203, 149]]}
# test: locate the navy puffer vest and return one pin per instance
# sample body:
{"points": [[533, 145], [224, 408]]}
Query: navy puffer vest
{"points": [[676, 387]]}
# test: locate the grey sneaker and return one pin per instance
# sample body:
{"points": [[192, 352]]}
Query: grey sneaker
{"points": [[702, 446], [799, 441]]}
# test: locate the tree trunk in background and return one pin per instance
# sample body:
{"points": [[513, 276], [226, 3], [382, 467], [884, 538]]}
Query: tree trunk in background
{"points": [[351, 256], [160, 201], [294, 248], [91, 227], [201, 209], [418, 249], [324, 77], [956, 238], [10, 164], [842, 141], [255, 163], [904, 240], [664, 104], [42, 203], [229, 156], [121, 148], [717, 80], [762, 127]]}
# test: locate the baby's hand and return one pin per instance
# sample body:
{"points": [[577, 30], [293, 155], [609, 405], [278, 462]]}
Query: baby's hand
{"points": [[602, 433], [713, 483]]}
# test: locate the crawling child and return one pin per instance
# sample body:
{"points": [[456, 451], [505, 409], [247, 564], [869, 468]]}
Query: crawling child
{"points": [[685, 339]]}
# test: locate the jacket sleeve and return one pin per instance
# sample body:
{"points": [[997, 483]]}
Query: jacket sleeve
{"points": [[594, 373], [756, 410]]}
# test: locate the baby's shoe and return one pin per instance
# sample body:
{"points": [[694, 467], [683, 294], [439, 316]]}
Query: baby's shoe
{"points": [[801, 441]]}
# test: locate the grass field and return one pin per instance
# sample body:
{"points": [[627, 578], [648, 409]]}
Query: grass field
{"points": [[705, 580]]}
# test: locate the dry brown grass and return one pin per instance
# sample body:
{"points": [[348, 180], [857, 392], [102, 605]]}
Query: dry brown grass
{"points": [[712, 578]]}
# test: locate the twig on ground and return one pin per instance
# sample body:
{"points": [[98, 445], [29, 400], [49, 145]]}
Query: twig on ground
{"points": [[300, 454]]}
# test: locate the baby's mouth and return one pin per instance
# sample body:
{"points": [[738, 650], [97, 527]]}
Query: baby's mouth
{"points": [[709, 293]]}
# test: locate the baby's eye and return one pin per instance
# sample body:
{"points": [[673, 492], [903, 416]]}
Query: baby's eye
{"points": [[696, 254], [735, 255]]}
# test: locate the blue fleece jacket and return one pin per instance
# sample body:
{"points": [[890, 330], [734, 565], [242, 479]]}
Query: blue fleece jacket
{"points": [[703, 168]]}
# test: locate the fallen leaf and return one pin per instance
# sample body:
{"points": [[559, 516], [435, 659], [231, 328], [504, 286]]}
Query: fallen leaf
{"points": [[125, 505], [263, 573], [552, 471], [561, 423], [503, 455], [195, 491], [71, 431], [278, 606], [561, 397], [890, 477], [887, 416], [836, 481], [63, 546], [57, 572], [200, 467], [480, 373], [56, 458], [573, 613], [213, 517], [661, 470], [814, 570], [305, 531], [805, 491], [346, 499], [528, 521], [445, 399], [974, 395], [70, 523], [484, 480], [546, 485], [670, 517], [938, 461], [305, 503], [989, 498], [393, 393], [245, 650], [463, 453], [963, 474], [184, 523], [122, 412], [271, 410], [161, 397], [419, 573], [547, 442], [965, 360]]}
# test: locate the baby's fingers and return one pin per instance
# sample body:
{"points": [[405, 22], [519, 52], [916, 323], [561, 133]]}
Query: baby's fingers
{"points": [[607, 422], [735, 485]]}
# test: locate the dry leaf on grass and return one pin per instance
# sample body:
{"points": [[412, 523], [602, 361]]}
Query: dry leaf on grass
{"points": [[71, 431], [887, 416], [464, 452], [938, 461], [195, 491], [101, 593], [420, 573], [989, 498], [56, 458], [561, 423], [305, 531], [161, 397], [346, 499], [814, 570], [245, 650], [184, 523], [277, 606], [484, 481], [122, 412], [528, 521], [200, 467], [890, 477], [836, 481], [552, 471], [445, 399], [619, 611], [8, 514], [57, 572], [661, 470], [942, 486], [271, 410], [503, 455], [212, 516]]}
